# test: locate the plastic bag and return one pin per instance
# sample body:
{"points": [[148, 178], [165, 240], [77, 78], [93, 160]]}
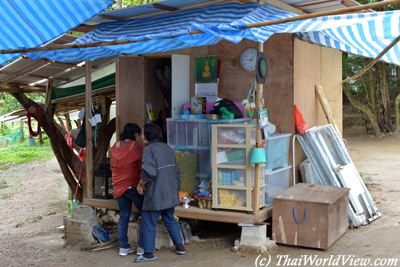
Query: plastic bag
{"points": [[229, 106], [299, 122], [100, 233]]}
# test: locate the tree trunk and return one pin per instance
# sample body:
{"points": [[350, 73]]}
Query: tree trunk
{"points": [[69, 163], [397, 112], [103, 142], [384, 118], [363, 108], [372, 90]]}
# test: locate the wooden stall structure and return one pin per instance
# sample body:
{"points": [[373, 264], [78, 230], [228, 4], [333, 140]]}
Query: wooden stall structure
{"points": [[295, 68]]}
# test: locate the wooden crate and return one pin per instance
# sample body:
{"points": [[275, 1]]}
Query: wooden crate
{"points": [[309, 215]]}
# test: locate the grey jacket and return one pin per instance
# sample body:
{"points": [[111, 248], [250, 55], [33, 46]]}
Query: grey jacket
{"points": [[160, 171]]}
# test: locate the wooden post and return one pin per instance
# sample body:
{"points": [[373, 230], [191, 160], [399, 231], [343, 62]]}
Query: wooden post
{"points": [[49, 91], [61, 122], [323, 100], [256, 188], [41, 138], [89, 131], [21, 127], [68, 125], [78, 123]]}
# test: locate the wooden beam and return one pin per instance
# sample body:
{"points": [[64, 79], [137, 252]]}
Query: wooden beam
{"points": [[84, 28], [13, 88], [49, 92], [68, 124], [349, 3], [196, 213], [313, 3], [165, 7], [27, 70], [282, 5], [88, 190], [34, 76], [111, 17], [81, 96], [166, 12]]}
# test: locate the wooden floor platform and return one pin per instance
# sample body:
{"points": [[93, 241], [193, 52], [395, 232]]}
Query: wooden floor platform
{"points": [[197, 213]]}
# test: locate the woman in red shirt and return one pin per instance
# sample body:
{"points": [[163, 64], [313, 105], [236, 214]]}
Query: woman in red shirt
{"points": [[126, 160]]}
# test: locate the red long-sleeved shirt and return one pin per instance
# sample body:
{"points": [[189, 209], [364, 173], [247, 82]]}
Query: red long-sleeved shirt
{"points": [[126, 162]]}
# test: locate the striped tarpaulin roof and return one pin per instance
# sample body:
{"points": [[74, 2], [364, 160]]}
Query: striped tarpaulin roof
{"points": [[363, 34], [32, 23]]}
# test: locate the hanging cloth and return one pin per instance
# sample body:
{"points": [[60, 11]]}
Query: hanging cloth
{"points": [[29, 112]]}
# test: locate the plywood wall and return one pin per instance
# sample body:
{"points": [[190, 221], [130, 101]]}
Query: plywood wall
{"points": [[307, 73], [315, 65], [234, 81], [331, 80], [129, 91], [278, 91]]}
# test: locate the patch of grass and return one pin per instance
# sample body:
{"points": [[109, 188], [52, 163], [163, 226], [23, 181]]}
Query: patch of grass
{"points": [[22, 153]]}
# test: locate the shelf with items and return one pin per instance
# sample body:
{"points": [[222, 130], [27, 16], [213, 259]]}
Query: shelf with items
{"points": [[232, 173], [194, 136]]}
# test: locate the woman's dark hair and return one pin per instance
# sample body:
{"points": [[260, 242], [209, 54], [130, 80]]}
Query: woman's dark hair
{"points": [[129, 132], [152, 132]]}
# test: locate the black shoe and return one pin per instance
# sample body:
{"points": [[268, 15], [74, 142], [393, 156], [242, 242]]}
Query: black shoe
{"points": [[180, 249]]}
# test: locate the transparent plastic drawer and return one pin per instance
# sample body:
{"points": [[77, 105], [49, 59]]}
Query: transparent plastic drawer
{"points": [[231, 156], [230, 177], [276, 182], [231, 136], [231, 198]]}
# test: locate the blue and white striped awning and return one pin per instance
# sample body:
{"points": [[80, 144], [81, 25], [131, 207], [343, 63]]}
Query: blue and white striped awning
{"points": [[32, 23], [364, 34]]}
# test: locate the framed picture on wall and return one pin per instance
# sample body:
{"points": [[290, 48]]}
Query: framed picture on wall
{"points": [[206, 69]]}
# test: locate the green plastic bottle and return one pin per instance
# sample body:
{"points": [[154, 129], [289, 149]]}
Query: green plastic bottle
{"points": [[69, 207]]}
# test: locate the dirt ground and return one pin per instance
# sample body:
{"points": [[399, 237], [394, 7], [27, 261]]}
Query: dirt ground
{"points": [[32, 204]]}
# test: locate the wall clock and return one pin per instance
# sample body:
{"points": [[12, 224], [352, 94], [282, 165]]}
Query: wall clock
{"points": [[248, 59]]}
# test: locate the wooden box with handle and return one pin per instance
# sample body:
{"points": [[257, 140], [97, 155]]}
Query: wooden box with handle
{"points": [[309, 215]]}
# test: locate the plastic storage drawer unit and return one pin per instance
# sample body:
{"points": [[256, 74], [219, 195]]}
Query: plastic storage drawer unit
{"points": [[277, 151], [276, 182]]}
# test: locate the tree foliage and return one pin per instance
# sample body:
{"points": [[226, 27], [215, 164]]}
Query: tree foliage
{"points": [[127, 3], [8, 103]]}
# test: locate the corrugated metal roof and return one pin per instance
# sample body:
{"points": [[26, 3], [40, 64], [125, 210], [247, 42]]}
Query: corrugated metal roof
{"points": [[26, 71], [157, 8], [160, 7], [312, 6]]}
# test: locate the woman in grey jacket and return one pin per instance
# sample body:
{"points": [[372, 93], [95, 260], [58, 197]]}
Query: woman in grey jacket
{"points": [[160, 184]]}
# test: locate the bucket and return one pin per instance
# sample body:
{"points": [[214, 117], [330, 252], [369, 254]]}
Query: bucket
{"points": [[257, 155], [31, 141]]}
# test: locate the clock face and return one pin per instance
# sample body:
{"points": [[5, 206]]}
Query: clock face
{"points": [[248, 59]]}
